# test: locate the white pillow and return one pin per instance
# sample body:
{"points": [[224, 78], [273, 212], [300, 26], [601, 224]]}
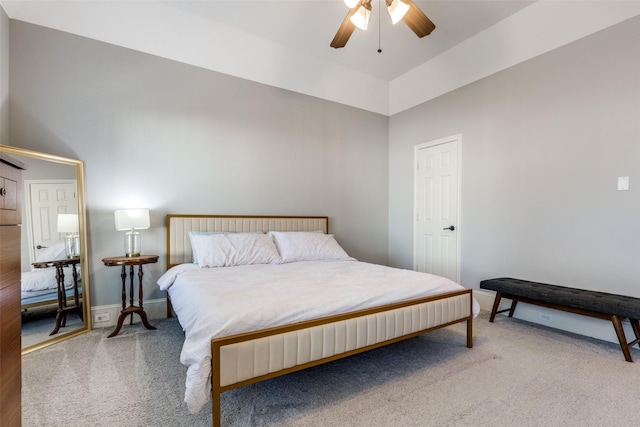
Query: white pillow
{"points": [[226, 250], [308, 246], [198, 233]]}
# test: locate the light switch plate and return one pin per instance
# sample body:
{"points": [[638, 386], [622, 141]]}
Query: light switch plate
{"points": [[623, 183]]}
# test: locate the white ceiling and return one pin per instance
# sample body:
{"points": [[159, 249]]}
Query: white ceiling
{"points": [[309, 26], [285, 43]]}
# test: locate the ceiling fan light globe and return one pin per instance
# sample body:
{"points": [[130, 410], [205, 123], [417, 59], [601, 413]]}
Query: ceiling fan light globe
{"points": [[397, 9], [361, 18], [351, 3]]}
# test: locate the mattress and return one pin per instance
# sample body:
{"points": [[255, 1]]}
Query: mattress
{"points": [[217, 302]]}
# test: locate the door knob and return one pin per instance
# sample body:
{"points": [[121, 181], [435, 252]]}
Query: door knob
{"points": [[449, 228]]}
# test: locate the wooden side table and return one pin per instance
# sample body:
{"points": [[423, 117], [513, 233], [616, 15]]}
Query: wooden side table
{"points": [[63, 306], [123, 262]]}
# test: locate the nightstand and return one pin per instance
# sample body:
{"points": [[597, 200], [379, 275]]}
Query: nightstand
{"points": [[63, 306], [123, 261]]}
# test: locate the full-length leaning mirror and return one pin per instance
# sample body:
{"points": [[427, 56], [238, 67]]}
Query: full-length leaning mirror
{"points": [[55, 303]]}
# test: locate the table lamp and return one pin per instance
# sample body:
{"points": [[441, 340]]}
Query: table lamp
{"points": [[132, 220], [68, 223]]}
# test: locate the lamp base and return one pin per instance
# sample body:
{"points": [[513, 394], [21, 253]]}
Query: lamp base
{"points": [[72, 246], [132, 240]]}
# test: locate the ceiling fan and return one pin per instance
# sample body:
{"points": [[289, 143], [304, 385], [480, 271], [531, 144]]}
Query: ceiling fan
{"points": [[360, 12]]}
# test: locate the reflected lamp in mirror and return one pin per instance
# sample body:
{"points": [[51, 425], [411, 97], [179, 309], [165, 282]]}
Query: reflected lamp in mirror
{"points": [[132, 220], [68, 223]]}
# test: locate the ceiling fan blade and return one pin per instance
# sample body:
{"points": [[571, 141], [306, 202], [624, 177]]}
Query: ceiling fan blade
{"points": [[344, 32], [417, 20]]}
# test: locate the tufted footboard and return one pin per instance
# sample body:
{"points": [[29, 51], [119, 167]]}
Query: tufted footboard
{"points": [[252, 357]]}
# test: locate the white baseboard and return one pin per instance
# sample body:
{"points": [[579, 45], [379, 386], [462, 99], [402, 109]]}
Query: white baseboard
{"points": [[570, 322], [155, 309]]}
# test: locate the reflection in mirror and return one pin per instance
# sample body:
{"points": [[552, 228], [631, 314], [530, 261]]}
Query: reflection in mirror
{"points": [[54, 280]]}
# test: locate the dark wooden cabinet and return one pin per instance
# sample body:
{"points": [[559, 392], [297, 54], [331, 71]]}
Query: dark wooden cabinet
{"points": [[10, 327]]}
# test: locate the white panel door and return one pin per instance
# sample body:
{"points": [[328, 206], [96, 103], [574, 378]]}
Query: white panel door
{"points": [[48, 198], [436, 208]]}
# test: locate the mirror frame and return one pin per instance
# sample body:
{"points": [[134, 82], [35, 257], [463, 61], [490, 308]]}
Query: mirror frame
{"points": [[82, 223]]}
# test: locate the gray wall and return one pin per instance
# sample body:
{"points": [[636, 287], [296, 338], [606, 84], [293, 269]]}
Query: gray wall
{"points": [[542, 146], [178, 139]]}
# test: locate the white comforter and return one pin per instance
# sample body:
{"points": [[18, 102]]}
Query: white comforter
{"points": [[214, 302]]}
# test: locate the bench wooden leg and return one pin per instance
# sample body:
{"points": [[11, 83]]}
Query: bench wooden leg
{"points": [[513, 307], [635, 324], [496, 303], [617, 325]]}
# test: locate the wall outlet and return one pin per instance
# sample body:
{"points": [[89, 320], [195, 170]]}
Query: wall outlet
{"points": [[101, 317], [546, 317]]}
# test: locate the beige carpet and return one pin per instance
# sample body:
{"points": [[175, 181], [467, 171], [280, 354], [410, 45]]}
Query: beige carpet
{"points": [[517, 374]]}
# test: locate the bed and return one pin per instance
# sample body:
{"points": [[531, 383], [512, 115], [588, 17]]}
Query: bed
{"points": [[258, 314]]}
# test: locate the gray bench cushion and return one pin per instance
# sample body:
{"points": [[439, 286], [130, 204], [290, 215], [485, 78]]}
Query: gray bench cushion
{"points": [[600, 302]]}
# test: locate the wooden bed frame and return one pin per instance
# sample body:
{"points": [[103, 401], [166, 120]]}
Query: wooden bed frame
{"points": [[248, 358]]}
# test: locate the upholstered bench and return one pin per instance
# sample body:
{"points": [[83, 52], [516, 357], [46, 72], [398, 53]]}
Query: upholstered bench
{"points": [[589, 303]]}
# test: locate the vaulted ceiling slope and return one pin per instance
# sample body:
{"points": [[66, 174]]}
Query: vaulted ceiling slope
{"points": [[286, 43]]}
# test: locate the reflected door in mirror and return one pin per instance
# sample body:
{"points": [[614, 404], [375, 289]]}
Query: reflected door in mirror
{"points": [[47, 199]]}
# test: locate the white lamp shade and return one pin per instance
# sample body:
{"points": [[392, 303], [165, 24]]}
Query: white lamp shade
{"points": [[351, 3], [67, 223], [127, 219], [397, 9], [361, 18]]}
